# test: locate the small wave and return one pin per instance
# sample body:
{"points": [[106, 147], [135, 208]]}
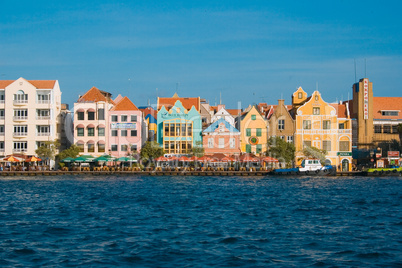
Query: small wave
{"points": [[24, 251], [372, 255], [229, 240], [57, 231]]}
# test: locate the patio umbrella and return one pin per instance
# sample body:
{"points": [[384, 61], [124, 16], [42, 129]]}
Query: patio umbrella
{"points": [[101, 159], [184, 159], [204, 159], [88, 157], [193, 158], [80, 159], [161, 159], [227, 159], [11, 159], [67, 160], [269, 159], [33, 159], [249, 158]]}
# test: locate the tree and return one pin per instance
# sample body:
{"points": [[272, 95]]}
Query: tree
{"points": [[281, 149], [48, 150], [198, 150], [151, 150], [313, 152], [73, 152]]}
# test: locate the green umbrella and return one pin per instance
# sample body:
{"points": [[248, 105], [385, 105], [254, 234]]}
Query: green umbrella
{"points": [[131, 159], [88, 157], [101, 159], [80, 159], [67, 160], [121, 159]]}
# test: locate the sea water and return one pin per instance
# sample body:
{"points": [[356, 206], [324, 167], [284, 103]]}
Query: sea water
{"points": [[104, 221]]}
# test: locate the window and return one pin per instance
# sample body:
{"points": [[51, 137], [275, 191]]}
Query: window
{"points": [[189, 130], [172, 130], [316, 110], [133, 118], [343, 146], [395, 129], [80, 147], [101, 114], [91, 131], [259, 148], [43, 130], [21, 114], [2, 146], [316, 97], [91, 148], [2, 113], [326, 145], [390, 113], [258, 132], [43, 98], [20, 146], [221, 143], [248, 132], [21, 130], [290, 139], [101, 148], [326, 124], [2, 130], [80, 131], [133, 133], [91, 115], [386, 129], [281, 124], [300, 95], [20, 97], [248, 148], [306, 124], [113, 147], [124, 118], [114, 118], [282, 137], [124, 148], [124, 133], [210, 143], [377, 129], [306, 144], [114, 133], [44, 114], [341, 126], [253, 117], [232, 142], [133, 147], [101, 132], [80, 115]]}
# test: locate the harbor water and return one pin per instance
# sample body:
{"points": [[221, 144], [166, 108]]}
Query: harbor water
{"points": [[104, 221]]}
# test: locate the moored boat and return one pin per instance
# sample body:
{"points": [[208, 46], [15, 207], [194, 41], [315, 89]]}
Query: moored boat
{"points": [[386, 171], [308, 167]]}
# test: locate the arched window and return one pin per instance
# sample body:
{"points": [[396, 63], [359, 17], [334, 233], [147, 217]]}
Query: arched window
{"points": [[20, 97]]}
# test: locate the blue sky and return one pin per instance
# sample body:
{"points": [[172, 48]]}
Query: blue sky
{"points": [[249, 51]]}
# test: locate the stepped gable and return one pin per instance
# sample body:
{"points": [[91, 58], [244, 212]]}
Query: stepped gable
{"points": [[96, 95], [125, 104]]}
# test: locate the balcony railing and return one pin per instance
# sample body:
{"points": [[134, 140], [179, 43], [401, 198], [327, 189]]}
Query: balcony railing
{"points": [[43, 101], [42, 117], [1, 133], [20, 150], [2, 101], [20, 101], [1, 150], [20, 118], [2, 117], [344, 131], [43, 134], [20, 134]]}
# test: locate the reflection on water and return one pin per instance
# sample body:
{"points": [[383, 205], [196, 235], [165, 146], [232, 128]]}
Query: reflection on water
{"points": [[200, 221]]}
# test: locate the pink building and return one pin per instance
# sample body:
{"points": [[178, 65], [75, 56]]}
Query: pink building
{"points": [[125, 128], [221, 137]]}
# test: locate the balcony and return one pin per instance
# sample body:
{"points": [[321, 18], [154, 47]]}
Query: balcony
{"points": [[1, 150], [345, 131], [20, 102], [1, 133], [43, 117], [41, 134], [43, 101], [20, 118], [20, 134], [2, 117], [20, 150]]}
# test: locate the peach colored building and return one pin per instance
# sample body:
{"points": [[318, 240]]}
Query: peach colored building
{"points": [[221, 137], [125, 130], [91, 121], [29, 115]]}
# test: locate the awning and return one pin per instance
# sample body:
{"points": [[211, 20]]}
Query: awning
{"points": [[91, 126], [91, 142], [91, 110], [80, 126], [101, 142]]}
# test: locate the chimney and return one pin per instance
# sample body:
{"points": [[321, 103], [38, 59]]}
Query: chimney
{"points": [[281, 102]]}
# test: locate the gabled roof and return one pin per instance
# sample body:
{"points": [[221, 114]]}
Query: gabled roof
{"points": [[151, 118], [215, 125], [41, 84], [125, 104], [387, 104], [272, 108], [95, 95], [234, 112], [187, 102], [341, 110]]}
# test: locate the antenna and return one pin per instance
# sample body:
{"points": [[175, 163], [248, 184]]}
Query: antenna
{"points": [[177, 87], [220, 97], [355, 72]]}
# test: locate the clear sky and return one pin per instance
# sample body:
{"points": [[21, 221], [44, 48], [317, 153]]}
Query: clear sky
{"points": [[249, 51]]}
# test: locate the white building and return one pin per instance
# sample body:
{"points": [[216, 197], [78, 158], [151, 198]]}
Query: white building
{"points": [[29, 115]]}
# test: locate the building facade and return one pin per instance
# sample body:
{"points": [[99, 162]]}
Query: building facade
{"points": [[125, 129], [221, 137], [253, 132], [91, 122], [280, 122], [324, 126], [29, 115]]}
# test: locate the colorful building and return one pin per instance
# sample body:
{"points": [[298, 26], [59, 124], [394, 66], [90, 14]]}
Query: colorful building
{"points": [[29, 115], [150, 115], [221, 137], [324, 126], [91, 121], [280, 121], [254, 133], [179, 125], [125, 130]]}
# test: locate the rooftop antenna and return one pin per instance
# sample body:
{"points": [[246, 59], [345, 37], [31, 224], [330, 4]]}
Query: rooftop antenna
{"points": [[177, 87], [355, 72], [220, 97]]}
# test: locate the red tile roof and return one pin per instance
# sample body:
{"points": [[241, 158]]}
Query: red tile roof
{"points": [[41, 84], [387, 104], [125, 104], [234, 112], [94, 95], [187, 103], [341, 110]]}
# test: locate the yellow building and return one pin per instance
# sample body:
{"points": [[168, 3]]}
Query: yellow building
{"points": [[324, 126], [253, 129]]}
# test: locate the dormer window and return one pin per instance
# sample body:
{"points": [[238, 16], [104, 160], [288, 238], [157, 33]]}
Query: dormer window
{"points": [[300, 95], [389, 113]]}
